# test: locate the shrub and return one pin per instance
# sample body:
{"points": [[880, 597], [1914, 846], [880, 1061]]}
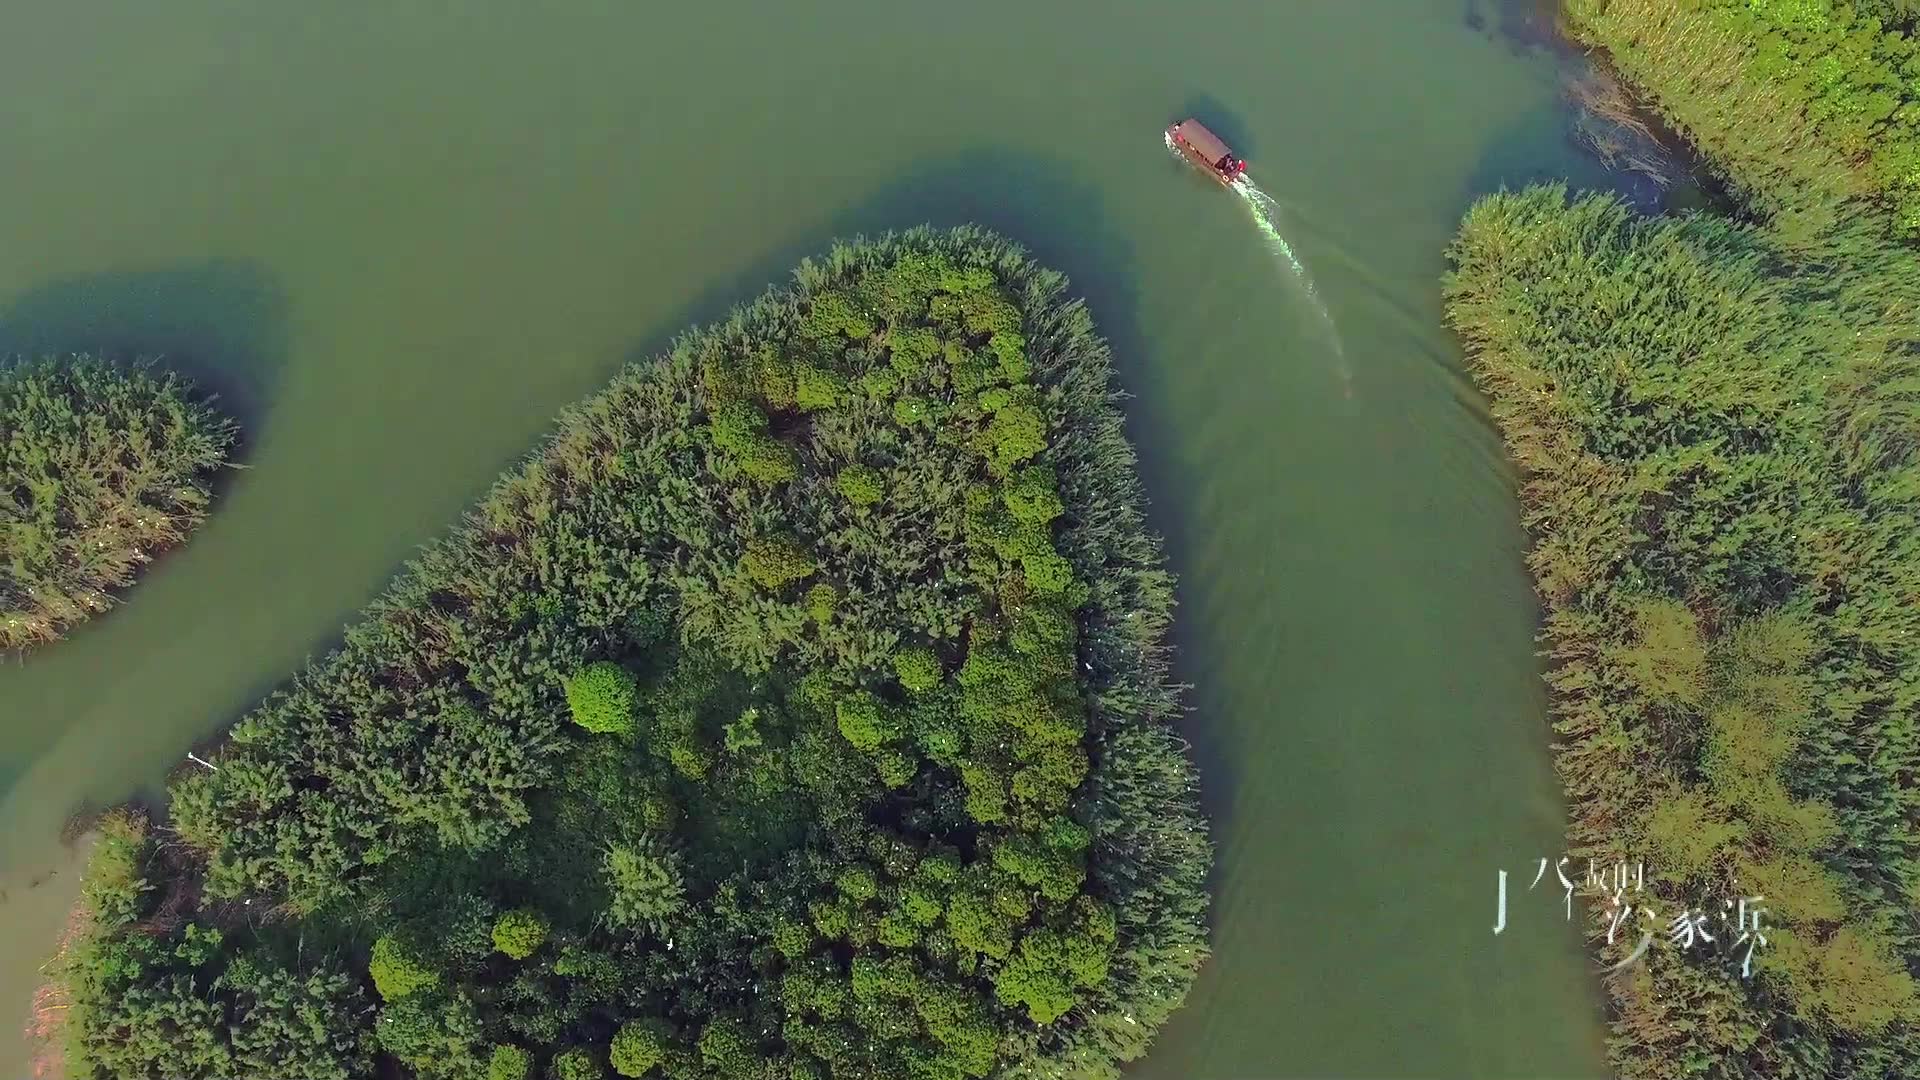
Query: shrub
{"points": [[578, 1063], [910, 350], [863, 721], [822, 599], [520, 932], [1016, 433], [896, 768], [918, 669], [1046, 572], [644, 885], [909, 411], [658, 811], [724, 380], [1032, 496], [601, 698], [833, 313], [774, 377], [637, 1047], [735, 425], [465, 929], [880, 382], [858, 883], [691, 758], [743, 733], [726, 1049], [776, 560], [1010, 350], [103, 466], [395, 971], [769, 461], [509, 1062], [817, 388], [861, 485]]}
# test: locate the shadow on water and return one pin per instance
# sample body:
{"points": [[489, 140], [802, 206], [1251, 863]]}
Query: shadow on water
{"points": [[1545, 146], [221, 323], [1603, 122]]}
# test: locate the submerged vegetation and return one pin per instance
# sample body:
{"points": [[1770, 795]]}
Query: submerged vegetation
{"points": [[1806, 106], [101, 466], [798, 711]]}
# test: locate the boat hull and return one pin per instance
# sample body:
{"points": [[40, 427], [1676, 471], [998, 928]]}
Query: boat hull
{"points": [[1222, 166]]}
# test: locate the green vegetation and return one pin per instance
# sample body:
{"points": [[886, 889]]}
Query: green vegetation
{"points": [[861, 485], [1811, 108], [509, 1062], [1720, 448], [101, 468], [600, 698], [520, 932], [153, 993], [1718, 425], [673, 764]]}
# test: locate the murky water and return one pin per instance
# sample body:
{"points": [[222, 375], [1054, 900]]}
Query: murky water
{"points": [[399, 237]]}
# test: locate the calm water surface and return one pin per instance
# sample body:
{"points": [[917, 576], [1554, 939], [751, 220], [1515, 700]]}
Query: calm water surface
{"points": [[398, 238]]}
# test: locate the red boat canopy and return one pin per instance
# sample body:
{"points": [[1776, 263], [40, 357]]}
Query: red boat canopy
{"points": [[1204, 142]]}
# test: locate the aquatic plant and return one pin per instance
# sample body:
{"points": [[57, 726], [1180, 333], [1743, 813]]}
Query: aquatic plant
{"points": [[1720, 441], [1810, 109], [102, 467], [899, 795]]}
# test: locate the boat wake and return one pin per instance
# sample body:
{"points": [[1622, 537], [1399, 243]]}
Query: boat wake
{"points": [[1266, 217], [1265, 211]]}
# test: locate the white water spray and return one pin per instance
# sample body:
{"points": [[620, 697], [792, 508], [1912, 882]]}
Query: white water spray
{"points": [[1266, 217]]}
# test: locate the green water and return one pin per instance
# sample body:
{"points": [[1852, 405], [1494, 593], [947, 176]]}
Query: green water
{"points": [[399, 237]]}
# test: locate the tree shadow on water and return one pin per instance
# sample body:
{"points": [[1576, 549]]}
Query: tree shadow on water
{"points": [[221, 323]]}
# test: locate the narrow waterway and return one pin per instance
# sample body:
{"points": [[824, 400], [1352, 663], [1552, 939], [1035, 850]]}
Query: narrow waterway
{"points": [[399, 238]]}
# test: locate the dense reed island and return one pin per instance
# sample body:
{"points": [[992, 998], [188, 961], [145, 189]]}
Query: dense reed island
{"points": [[799, 710], [1718, 425], [101, 466], [1804, 105]]}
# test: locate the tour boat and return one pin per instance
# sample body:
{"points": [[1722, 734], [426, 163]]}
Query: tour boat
{"points": [[1207, 150]]}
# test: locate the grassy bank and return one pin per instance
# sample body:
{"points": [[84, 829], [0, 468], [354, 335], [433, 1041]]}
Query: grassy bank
{"points": [[1810, 109], [1717, 425], [798, 710], [1719, 444], [101, 467]]}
